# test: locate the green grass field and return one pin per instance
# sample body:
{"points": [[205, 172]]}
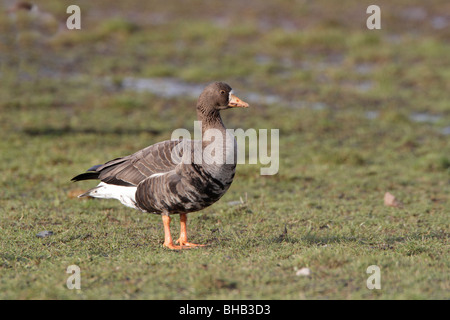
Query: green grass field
{"points": [[360, 112]]}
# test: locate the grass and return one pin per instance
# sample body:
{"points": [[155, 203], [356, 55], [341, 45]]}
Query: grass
{"points": [[63, 109]]}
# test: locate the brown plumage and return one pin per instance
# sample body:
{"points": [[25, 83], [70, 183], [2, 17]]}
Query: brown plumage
{"points": [[175, 176], [22, 6], [29, 20]]}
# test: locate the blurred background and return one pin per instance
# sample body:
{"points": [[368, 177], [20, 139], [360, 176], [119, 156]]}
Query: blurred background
{"points": [[361, 113], [309, 68], [296, 53]]}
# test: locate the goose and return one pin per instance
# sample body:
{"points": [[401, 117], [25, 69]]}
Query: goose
{"points": [[22, 6], [28, 17], [176, 176]]}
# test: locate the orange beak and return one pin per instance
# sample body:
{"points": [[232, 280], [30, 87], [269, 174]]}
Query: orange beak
{"points": [[235, 102]]}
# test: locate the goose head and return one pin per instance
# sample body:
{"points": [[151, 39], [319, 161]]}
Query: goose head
{"points": [[218, 96]]}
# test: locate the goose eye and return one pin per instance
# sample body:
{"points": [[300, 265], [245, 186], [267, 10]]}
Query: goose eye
{"points": [[222, 92]]}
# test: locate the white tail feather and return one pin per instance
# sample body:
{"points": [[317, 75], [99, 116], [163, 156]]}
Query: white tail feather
{"points": [[126, 195]]}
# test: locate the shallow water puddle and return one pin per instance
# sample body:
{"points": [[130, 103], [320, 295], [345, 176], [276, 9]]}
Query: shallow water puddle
{"points": [[171, 88], [165, 87], [371, 115], [424, 117], [418, 117], [446, 131]]}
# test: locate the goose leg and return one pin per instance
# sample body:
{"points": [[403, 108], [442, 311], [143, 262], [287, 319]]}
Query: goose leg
{"points": [[183, 234], [168, 243]]}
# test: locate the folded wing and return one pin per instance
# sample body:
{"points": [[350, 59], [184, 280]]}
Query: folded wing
{"points": [[133, 169]]}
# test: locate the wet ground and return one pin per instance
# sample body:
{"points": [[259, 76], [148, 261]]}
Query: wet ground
{"points": [[361, 113]]}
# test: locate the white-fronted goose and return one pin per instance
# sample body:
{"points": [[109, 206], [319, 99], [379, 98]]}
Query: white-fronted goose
{"points": [[165, 178], [29, 18], [22, 6]]}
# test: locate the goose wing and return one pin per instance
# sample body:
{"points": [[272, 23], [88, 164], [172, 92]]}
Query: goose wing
{"points": [[131, 170]]}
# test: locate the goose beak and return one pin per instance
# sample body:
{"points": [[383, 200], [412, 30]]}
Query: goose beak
{"points": [[235, 102]]}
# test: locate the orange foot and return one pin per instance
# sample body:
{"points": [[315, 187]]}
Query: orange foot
{"points": [[184, 244], [188, 245], [172, 246]]}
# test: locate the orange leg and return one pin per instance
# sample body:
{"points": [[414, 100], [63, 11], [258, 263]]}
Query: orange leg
{"points": [[168, 243], [183, 234]]}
